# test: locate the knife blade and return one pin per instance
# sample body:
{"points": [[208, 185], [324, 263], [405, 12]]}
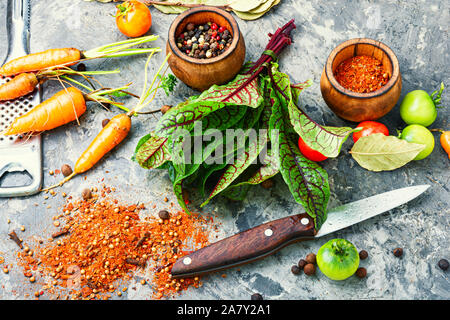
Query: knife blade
{"points": [[265, 239]]}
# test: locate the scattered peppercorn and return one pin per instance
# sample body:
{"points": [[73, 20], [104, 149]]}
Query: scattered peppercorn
{"points": [[165, 108], [295, 269], [66, 170], [398, 252], [311, 258], [86, 194], [257, 296], [302, 263], [204, 41], [105, 122], [363, 254], [81, 67], [267, 184], [443, 264], [361, 273], [309, 269], [164, 214]]}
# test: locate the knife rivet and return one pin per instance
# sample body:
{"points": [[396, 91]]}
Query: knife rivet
{"points": [[304, 221], [268, 232], [187, 260]]}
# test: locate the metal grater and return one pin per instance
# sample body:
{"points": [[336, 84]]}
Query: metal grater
{"points": [[19, 153]]}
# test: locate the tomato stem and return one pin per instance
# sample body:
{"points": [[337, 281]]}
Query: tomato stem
{"points": [[436, 96]]}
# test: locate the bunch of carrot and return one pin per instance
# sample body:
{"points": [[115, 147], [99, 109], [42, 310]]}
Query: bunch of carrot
{"points": [[116, 130], [34, 68]]}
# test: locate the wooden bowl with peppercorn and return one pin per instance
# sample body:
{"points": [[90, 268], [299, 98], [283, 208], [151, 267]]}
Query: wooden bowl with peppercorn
{"points": [[206, 47], [361, 80]]}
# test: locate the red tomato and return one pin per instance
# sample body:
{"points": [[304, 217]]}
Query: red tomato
{"points": [[133, 18], [310, 153], [370, 127]]}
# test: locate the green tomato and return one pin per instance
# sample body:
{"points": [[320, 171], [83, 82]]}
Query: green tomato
{"points": [[416, 133], [338, 259], [418, 107]]}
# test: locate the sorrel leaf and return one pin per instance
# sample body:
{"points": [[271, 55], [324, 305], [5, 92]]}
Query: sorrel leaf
{"points": [[243, 161], [151, 152], [326, 140], [215, 98], [307, 181]]}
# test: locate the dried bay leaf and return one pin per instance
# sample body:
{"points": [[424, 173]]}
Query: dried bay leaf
{"points": [[378, 152], [253, 16], [245, 6]]}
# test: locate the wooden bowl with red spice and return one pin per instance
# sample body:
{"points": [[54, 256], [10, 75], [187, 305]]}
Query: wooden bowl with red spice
{"points": [[361, 80]]}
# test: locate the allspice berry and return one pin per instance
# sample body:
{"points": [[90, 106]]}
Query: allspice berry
{"points": [[257, 296], [164, 214], [443, 264], [165, 108], [309, 269], [398, 252], [66, 170], [311, 258], [361, 273], [267, 184], [363, 254], [302, 263], [105, 122], [295, 269], [86, 194]]}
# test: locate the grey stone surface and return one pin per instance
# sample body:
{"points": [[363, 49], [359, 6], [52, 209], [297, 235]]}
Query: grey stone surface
{"points": [[416, 30]]}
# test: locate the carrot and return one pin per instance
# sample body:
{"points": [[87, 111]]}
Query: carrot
{"points": [[115, 131], [56, 58], [65, 106], [109, 137], [41, 60], [18, 86]]}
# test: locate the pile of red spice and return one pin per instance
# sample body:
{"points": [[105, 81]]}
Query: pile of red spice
{"points": [[103, 242], [362, 74]]}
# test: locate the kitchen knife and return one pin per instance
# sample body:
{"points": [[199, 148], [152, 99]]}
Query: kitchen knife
{"points": [[265, 239]]}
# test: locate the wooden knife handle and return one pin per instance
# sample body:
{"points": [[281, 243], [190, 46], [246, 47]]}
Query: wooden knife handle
{"points": [[245, 247]]}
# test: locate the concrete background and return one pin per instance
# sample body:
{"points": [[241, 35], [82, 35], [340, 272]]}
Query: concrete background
{"points": [[417, 31]]}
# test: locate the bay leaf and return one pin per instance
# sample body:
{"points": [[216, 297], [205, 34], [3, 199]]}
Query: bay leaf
{"points": [[253, 16], [245, 6], [378, 152], [263, 7]]}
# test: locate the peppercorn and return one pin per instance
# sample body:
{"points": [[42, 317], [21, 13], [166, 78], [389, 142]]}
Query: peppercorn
{"points": [[66, 170], [267, 184], [257, 296], [105, 122], [295, 269], [361, 273], [164, 214], [363, 254], [86, 194], [311, 258], [398, 252], [309, 269], [81, 67], [165, 108], [302, 263], [443, 264]]}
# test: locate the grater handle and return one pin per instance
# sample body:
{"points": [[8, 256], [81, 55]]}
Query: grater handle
{"points": [[18, 27], [26, 158]]}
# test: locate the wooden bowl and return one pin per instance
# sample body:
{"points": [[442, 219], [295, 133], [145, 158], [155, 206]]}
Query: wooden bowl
{"points": [[200, 74], [355, 106]]}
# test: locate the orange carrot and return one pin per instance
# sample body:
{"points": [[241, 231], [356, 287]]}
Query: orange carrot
{"points": [[65, 106], [109, 137], [18, 86], [41, 60]]}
